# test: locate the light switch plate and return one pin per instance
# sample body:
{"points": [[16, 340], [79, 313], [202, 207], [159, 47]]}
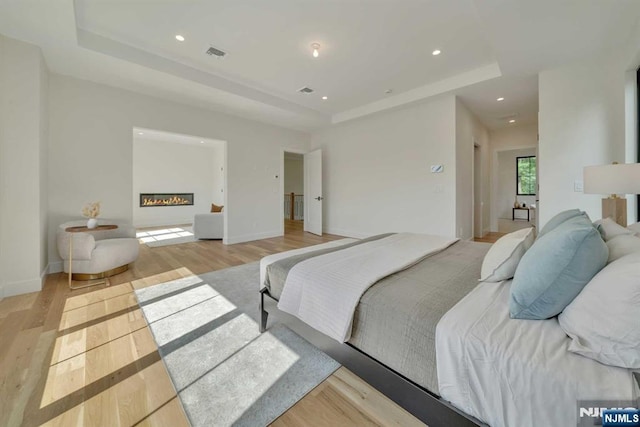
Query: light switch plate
{"points": [[437, 168], [578, 186]]}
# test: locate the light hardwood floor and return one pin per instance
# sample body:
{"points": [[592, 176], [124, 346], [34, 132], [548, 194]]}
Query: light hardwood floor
{"points": [[490, 237], [87, 357]]}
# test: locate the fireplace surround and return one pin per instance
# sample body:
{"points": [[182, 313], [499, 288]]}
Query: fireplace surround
{"points": [[149, 200]]}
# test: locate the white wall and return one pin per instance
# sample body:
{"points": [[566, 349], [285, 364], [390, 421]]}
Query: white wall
{"points": [[43, 161], [23, 140], [169, 167], [581, 122], [293, 175], [470, 131], [91, 154], [507, 139], [507, 186], [218, 174], [631, 135], [376, 175]]}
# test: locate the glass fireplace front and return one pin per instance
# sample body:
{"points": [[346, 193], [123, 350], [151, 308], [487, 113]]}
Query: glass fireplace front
{"points": [[165, 199]]}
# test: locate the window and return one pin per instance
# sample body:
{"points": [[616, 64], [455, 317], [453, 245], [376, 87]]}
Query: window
{"points": [[526, 176]]}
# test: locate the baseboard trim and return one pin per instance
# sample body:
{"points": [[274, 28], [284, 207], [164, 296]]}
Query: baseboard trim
{"points": [[22, 287], [55, 267], [43, 275], [346, 233], [251, 237]]}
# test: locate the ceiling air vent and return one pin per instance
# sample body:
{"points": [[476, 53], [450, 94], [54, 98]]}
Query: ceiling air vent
{"points": [[212, 51], [306, 90]]}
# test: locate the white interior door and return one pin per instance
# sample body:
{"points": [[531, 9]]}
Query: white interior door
{"points": [[313, 192]]}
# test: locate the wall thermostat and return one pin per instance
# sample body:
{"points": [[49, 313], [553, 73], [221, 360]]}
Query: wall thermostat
{"points": [[437, 168]]}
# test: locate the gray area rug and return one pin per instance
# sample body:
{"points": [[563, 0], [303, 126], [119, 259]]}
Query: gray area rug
{"points": [[225, 372]]}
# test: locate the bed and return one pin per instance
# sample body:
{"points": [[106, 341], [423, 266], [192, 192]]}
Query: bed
{"points": [[441, 344]]}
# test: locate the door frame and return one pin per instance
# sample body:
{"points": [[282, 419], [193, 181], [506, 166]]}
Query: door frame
{"points": [[283, 151], [494, 173], [478, 147]]}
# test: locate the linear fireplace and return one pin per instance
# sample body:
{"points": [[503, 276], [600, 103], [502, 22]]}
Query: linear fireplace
{"points": [[148, 200]]}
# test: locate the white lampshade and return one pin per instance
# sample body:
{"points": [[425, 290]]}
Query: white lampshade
{"points": [[612, 179]]}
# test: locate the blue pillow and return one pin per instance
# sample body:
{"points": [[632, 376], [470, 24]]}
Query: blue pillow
{"points": [[559, 219], [556, 268]]}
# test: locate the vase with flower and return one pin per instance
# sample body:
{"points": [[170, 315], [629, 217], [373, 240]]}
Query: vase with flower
{"points": [[91, 211]]}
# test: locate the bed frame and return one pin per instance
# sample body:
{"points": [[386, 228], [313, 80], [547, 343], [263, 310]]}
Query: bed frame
{"points": [[424, 405]]}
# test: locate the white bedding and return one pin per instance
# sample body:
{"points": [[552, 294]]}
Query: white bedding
{"points": [[324, 291], [264, 262], [509, 372]]}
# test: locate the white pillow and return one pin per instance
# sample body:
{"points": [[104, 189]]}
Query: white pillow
{"points": [[501, 261], [604, 319], [622, 245], [635, 228], [609, 229]]}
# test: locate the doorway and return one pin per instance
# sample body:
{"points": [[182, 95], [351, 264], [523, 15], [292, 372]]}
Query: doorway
{"points": [[176, 177], [293, 203], [516, 189]]}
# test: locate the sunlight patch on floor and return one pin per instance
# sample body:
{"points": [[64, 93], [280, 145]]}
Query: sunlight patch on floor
{"points": [[91, 368], [164, 234]]}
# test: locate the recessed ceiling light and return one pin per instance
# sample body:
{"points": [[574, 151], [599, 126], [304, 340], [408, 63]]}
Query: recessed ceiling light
{"points": [[201, 142], [500, 99], [388, 91], [179, 38], [140, 133], [325, 98], [512, 121], [436, 52], [316, 48]]}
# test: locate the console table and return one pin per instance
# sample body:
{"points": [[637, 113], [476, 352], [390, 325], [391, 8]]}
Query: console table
{"points": [[513, 213], [85, 229]]}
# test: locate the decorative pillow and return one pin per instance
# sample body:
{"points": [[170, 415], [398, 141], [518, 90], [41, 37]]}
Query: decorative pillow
{"points": [[559, 219], [610, 229], [622, 245], [216, 208], [556, 268], [635, 227], [604, 320], [501, 261]]}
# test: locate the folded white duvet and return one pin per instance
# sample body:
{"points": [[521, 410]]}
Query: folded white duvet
{"points": [[270, 259], [324, 291]]}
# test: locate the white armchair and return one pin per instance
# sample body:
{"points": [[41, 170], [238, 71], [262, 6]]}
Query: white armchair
{"points": [[208, 225], [99, 253]]}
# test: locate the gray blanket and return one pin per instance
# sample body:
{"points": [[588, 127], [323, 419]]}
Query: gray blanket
{"points": [[277, 272], [396, 319], [395, 322]]}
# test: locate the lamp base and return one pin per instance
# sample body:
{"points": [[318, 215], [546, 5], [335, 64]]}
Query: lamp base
{"points": [[616, 209]]}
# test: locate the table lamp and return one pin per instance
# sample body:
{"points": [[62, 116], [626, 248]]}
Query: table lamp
{"points": [[613, 179]]}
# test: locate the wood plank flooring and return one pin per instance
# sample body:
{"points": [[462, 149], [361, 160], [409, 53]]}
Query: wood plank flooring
{"points": [[87, 357], [490, 237]]}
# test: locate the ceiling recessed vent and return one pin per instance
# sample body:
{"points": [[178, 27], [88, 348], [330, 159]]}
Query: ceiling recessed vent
{"points": [[306, 90], [212, 51]]}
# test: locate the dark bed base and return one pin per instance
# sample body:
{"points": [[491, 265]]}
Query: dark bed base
{"points": [[424, 405]]}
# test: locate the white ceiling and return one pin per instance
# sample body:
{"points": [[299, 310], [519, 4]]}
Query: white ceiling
{"points": [[490, 48], [366, 46]]}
